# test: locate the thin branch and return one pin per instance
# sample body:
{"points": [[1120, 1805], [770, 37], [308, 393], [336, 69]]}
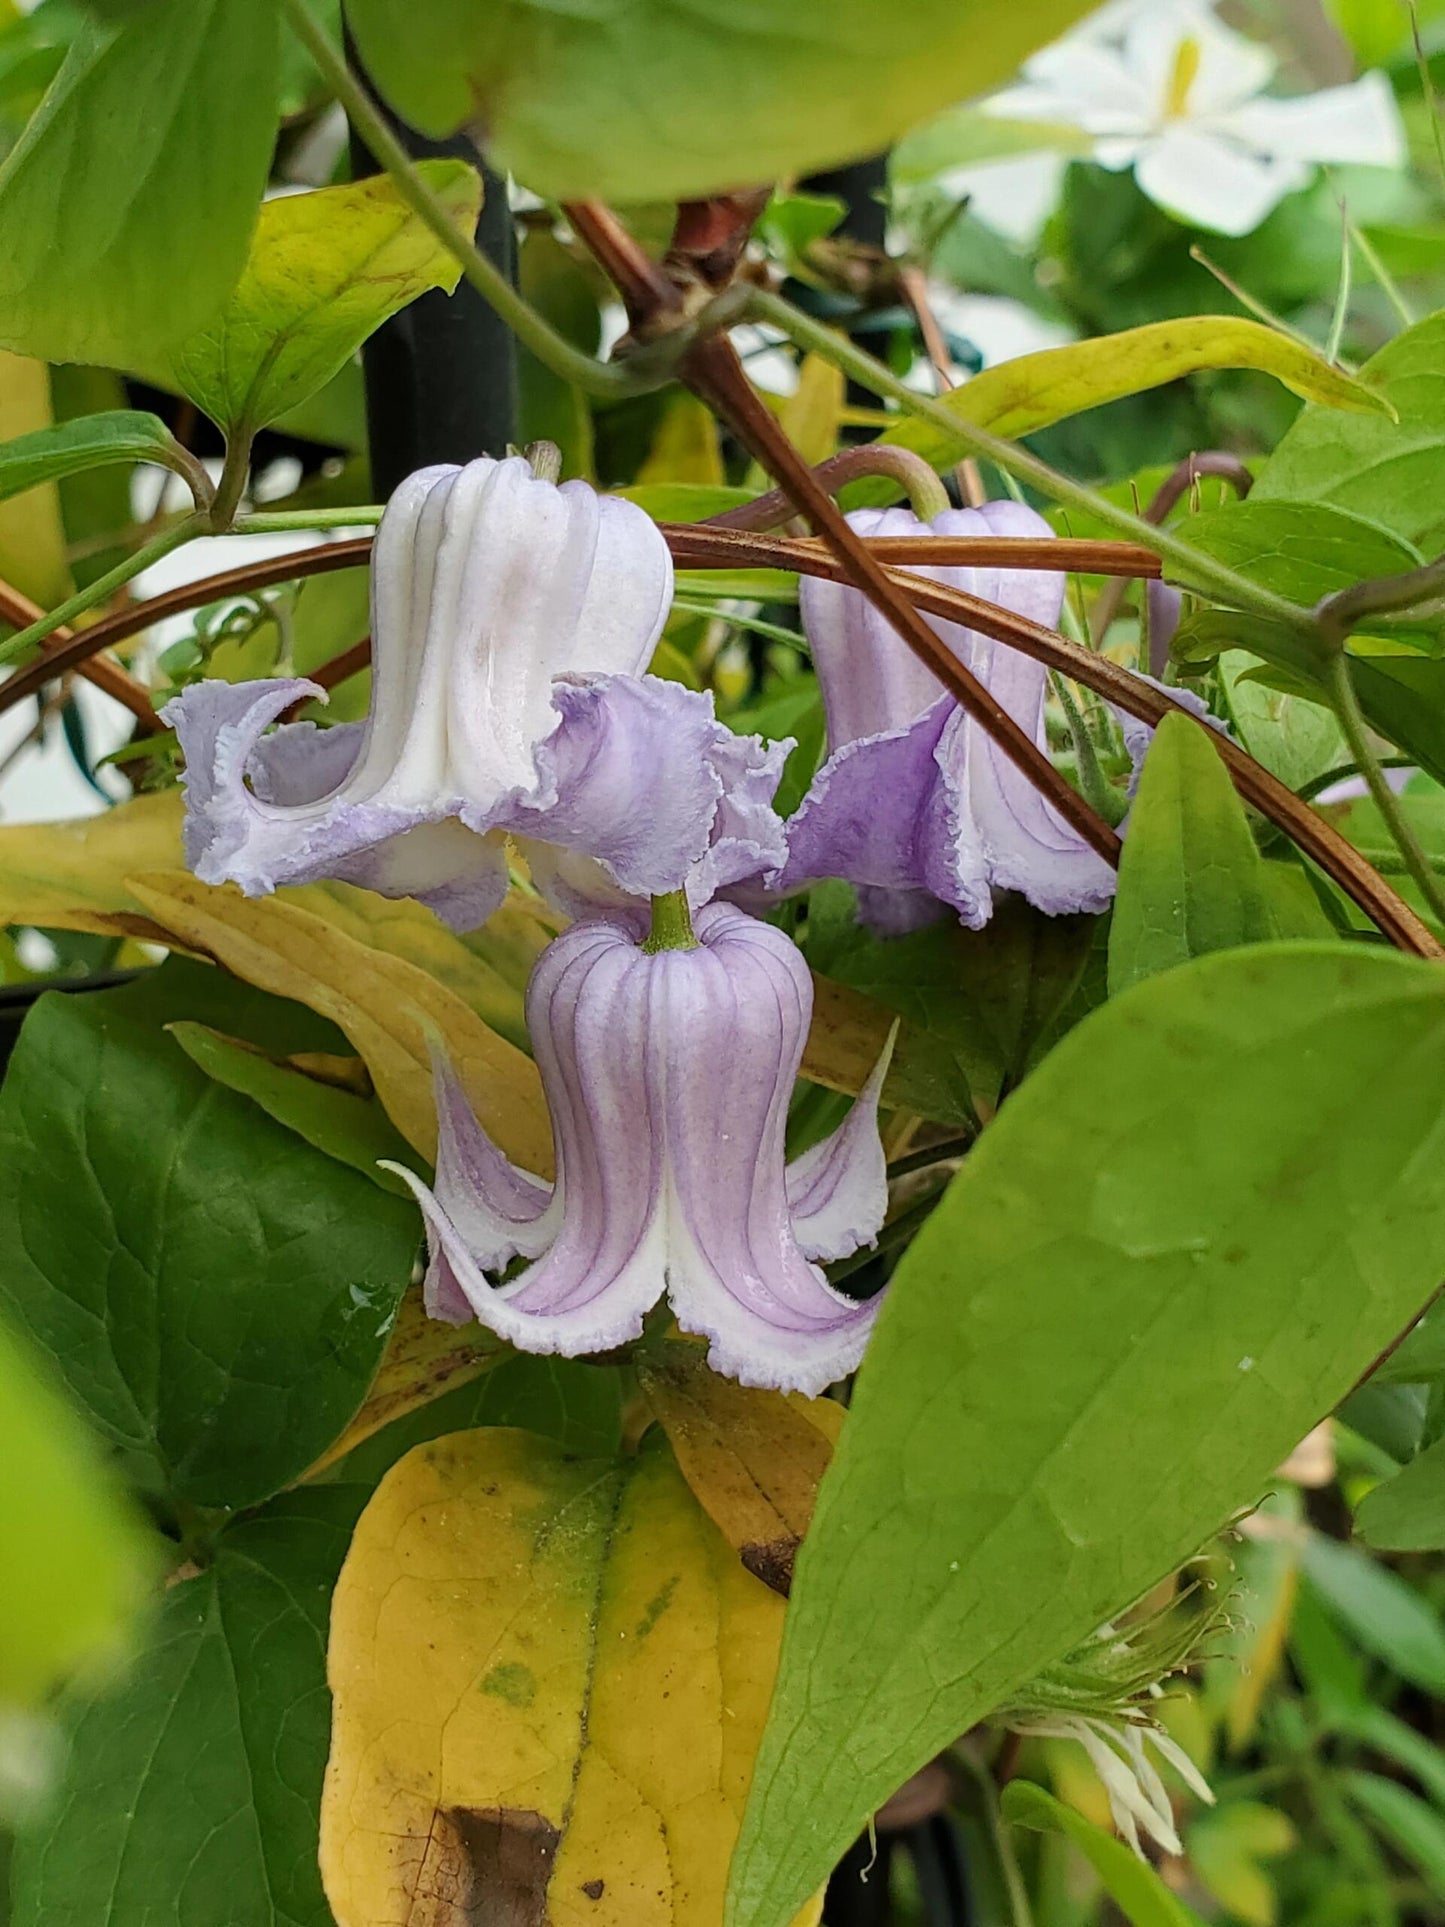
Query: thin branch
{"points": [[21, 613], [712, 370], [80, 648]]}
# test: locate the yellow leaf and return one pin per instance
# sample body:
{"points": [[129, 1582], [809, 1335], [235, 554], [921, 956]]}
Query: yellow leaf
{"points": [[752, 1458], [549, 1677], [812, 414], [384, 1003], [685, 448], [847, 1037], [71, 876], [423, 1359], [32, 532], [1021, 396]]}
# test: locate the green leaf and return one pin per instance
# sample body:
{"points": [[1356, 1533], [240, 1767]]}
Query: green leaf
{"points": [[1421, 1358], [1295, 739], [149, 155], [77, 1560], [1033, 391], [657, 102], [1386, 1616], [94, 441], [1130, 1882], [216, 1293], [1091, 1356], [192, 1792], [1190, 879], [1301, 553], [325, 270], [1392, 472], [1415, 1830], [985, 997], [353, 1129], [1407, 1513]]}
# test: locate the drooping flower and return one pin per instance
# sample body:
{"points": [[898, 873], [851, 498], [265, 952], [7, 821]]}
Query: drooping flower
{"points": [[1137, 1796], [1162, 87], [916, 804], [668, 1073], [511, 621]]}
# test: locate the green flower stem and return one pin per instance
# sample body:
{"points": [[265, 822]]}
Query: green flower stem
{"points": [[20, 646], [365, 515], [1202, 570], [924, 488], [550, 348], [671, 925], [1346, 705], [1098, 792]]}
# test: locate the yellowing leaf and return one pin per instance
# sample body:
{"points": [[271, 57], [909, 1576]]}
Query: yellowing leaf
{"points": [[1021, 396], [423, 1359], [685, 448], [847, 1037], [71, 876], [753, 1458], [325, 270], [32, 534], [382, 1002], [549, 1679], [812, 415]]}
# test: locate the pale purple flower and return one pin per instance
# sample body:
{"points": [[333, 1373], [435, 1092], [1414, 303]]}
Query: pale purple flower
{"points": [[511, 621], [916, 804], [668, 1075]]}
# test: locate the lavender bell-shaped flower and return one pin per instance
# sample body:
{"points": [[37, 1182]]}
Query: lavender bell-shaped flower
{"points": [[668, 1072], [511, 621], [916, 804]]}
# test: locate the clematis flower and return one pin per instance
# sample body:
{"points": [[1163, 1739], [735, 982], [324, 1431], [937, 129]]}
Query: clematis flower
{"points": [[668, 1073], [916, 804], [511, 621], [1162, 87], [1137, 1796]]}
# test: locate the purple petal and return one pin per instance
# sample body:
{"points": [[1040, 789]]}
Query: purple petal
{"points": [[736, 1014], [878, 815], [838, 1190], [650, 794]]}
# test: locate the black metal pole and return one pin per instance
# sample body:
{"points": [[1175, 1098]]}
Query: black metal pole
{"points": [[441, 376]]}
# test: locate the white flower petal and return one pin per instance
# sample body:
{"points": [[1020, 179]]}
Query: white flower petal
{"points": [[838, 1191], [1358, 123], [1208, 182], [1222, 67]]}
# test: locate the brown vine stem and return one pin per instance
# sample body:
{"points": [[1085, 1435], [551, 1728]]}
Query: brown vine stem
{"points": [[1014, 552], [712, 370], [19, 611], [79, 648]]}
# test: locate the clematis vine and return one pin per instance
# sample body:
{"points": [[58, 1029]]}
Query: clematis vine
{"points": [[916, 804], [511, 622], [668, 1062]]}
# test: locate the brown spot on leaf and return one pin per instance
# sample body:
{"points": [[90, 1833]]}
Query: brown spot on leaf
{"points": [[772, 1561], [485, 1867], [594, 1889]]}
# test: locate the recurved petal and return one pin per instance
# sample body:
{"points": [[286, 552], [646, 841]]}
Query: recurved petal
{"points": [[838, 1191], [736, 1013], [877, 817], [651, 793]]}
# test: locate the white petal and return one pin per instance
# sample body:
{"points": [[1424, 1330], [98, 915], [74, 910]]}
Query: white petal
{"points": [[838, 1191], [1358, 123], [1208, 182], [1227, 67], [1014, 197], [1175, 1754]]}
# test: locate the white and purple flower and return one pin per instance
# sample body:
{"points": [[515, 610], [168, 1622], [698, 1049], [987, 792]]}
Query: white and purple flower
{"points": [[916, 804], [668, 1073], [511, 622]]}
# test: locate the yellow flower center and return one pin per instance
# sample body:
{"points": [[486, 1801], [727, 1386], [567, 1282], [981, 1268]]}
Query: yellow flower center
{"points": [[1186, 69]]}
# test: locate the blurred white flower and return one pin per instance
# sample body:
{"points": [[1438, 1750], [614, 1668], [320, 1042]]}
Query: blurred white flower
{"points": [[1138, 1797], [1168, 91], [1000, 328]]}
